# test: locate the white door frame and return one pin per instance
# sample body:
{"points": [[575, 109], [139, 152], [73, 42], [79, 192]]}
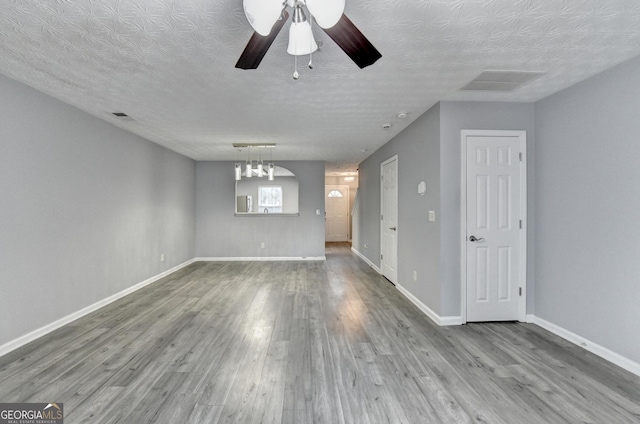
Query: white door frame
{"points": [[522, 135], [391, 159]]}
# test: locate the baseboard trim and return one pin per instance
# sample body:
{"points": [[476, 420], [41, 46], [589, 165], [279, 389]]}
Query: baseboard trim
{"points": [[441, 321], [260, 258], [596, 349], [28, 338], [364, 258]]}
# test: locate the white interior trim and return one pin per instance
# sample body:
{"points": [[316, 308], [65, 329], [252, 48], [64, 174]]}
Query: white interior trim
{"points": [[364, 258], [596, 349], [522, 135], [441, 321], [28, 338], [391, 159], [260, 258]]}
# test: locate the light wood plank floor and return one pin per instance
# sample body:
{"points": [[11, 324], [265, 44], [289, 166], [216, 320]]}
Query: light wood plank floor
{"points": [[306, 342]]}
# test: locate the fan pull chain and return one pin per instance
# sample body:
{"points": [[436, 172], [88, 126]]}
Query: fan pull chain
{"points": [[296, 75], [311, 43]]}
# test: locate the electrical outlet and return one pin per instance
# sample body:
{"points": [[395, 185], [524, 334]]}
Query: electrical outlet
{"points": [[162, 257], [415, 275], [262, 245], [432, 215]]}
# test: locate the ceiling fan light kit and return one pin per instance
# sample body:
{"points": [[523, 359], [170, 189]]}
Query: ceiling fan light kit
{"points": [[301, 41], [328, 14]]}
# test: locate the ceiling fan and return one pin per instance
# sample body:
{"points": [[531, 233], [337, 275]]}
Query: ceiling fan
{"points": [[267, 17]]}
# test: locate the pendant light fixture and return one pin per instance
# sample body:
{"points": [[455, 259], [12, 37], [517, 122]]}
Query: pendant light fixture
{"points": [[260, 167], [238, 167], [248, 169], [260, 171], [271, 171]]}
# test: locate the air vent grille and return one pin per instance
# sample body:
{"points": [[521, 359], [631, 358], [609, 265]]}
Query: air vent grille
{"points": [[122, 116], [501, 80]]}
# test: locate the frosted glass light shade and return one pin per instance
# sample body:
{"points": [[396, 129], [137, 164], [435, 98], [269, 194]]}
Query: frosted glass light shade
{"points": [[326, 12], [271, 172], [260, 170], [301, 40], [248, 170], [262, 14], [238, 172]]}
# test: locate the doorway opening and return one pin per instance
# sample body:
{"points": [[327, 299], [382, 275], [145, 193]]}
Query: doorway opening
{"points": [[340, 191]]}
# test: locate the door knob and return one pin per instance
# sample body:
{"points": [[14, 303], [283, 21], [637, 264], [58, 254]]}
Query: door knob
{"points": [[392, 228], [474, 238]]}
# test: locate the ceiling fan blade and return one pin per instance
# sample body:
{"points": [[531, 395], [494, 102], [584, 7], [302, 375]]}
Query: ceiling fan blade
{"points": [[258, 45], [353, 42]]}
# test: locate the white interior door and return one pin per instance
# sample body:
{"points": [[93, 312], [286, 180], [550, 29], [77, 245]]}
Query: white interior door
{"points": [[389, 219], [337, 213], [495, 236]]}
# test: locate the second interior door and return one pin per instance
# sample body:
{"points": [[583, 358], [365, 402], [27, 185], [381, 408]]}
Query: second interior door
{"points": [[389, 219]]}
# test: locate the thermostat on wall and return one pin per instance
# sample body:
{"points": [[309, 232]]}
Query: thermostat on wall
{"points": [[422, 188]]}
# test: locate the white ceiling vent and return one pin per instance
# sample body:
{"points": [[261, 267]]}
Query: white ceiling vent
{"points": [[501, 80]]}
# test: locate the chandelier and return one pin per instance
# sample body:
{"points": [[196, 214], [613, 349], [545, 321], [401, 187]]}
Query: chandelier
{"points": [[259, 170]]}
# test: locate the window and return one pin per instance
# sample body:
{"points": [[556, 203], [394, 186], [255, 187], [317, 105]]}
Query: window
{"points": [[335, 193], [270, 199]]}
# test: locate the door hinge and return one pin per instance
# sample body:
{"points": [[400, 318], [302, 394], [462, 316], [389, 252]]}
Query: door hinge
{"points": [[521, 224], [381, 217], [520, 156], [380, 257], [520, 291]]}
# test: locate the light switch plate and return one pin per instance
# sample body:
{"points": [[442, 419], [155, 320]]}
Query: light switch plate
{"points": [[432, 215]]}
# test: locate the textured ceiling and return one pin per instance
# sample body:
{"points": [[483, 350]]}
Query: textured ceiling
{"points": [[169, 64]]}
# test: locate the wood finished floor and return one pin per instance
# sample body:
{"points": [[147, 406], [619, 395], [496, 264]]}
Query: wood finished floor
{"points": [[306, 342]]}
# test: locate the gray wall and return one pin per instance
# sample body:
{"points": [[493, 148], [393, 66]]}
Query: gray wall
{"points": [[86, 210], [221, 234], [456, 116], [418, 153], [429, 149], [588, 209]]}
